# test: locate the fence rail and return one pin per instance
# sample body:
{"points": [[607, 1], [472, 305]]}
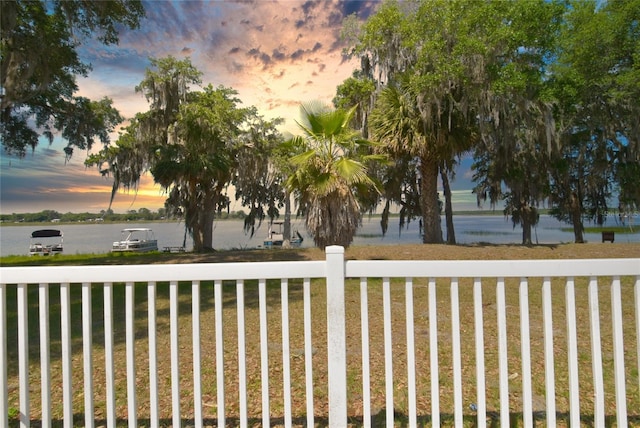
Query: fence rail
{"points": [[330, 343]]}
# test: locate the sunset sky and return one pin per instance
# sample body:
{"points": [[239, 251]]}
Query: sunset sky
{"points": [[276, 54]]}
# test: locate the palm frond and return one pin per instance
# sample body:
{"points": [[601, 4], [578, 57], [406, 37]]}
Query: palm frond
{"points": [[303, 158], [351, 171]]}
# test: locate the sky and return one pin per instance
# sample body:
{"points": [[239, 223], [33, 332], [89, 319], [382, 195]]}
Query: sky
{"points": [[275, 53]]}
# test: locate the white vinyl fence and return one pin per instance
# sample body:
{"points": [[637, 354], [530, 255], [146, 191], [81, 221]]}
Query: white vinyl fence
{"points": [[322, 343]]}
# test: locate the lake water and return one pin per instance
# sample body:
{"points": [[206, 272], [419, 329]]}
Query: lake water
{"points": [[228, 234]]}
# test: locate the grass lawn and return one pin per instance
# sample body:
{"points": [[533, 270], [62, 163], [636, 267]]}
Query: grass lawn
{"points": [[354, 375]]}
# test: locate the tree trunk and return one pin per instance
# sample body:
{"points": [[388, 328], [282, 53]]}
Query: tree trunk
{"points": [[578, 229], [576, 219], [286, 232], [207, 229], [429, 200], [526, 224], [196, 234], [526, 233], [203, 229], [448, 208]]}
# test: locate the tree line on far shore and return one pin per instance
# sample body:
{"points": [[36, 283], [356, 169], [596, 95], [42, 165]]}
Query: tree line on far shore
{"points": [[142, 214]]}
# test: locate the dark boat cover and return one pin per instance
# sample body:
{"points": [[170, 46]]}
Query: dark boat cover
{"points": [[46, 233]]}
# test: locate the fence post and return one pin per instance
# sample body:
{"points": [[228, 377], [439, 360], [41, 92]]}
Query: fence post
{"points": [[336, 337]]}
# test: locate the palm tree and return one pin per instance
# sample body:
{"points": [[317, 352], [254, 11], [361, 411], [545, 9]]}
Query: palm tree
{"points": [[330, 174], [404, 127]]}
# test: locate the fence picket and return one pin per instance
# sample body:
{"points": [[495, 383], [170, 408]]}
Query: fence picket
{"points": [[217, 296], [175, 352], [108, 355], [264, 351], [242, 355], [45, 358], [411, 354], [65, 336], [527, 405], [456, 357], [152, 328], [618, 353], [286, 356], [549, 366], [596, 353], [308, 351], [433, 353], [364, 329], [503, 362], [388, 351], [23, 352], [87, 351], [131, 354], [195, 339], [481, 405], [572, 347]]}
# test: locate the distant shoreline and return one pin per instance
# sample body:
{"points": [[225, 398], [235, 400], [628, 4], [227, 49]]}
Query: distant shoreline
{"points": [[4, 222]]}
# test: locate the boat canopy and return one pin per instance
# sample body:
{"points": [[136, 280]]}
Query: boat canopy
{"points": [[46, 233]]}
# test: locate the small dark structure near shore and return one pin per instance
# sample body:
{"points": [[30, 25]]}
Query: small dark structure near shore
{"points": [[608, 235]]}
